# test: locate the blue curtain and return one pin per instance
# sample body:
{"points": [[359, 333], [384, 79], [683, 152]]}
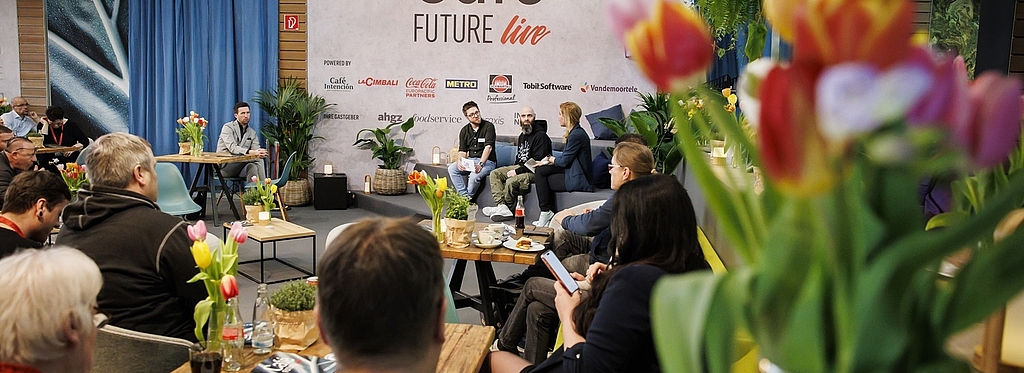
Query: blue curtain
{"points": [[197, 55]]}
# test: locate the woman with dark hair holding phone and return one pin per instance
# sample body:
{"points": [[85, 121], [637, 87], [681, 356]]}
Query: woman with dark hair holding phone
{"points": [[608, 329]]}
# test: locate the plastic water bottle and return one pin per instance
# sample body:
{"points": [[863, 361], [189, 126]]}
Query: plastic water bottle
{"points": [[234, 336], [262, 322]]}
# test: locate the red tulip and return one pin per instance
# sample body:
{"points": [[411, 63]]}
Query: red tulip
{"points": [[229, 287], [673, 47], [792, 147]]}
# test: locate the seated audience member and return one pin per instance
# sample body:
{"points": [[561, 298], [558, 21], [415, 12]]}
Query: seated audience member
{"points": [[238, 138], [476, 153], [21, 119], [534, 313], [380, 302], [19, 156], [32, 207], [602, 179], [570, 171], [58, 131], [5, 135], [143, 253], [608, 328], [49, 319], [506, 182]]}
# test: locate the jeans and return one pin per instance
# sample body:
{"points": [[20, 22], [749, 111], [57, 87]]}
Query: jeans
{"points": [[504, 189], [533, 316], [455, 176]]}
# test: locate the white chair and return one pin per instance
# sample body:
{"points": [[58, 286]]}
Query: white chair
{"points": [[122, 350], [213, 241], [334, 233]]}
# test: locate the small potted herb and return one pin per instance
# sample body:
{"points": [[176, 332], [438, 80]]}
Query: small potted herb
{"points": [[36, 138], [253, 204], [459, 228], [184, 145], [292, 306]]}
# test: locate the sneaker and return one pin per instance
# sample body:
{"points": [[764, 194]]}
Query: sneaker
{"points": [[494, 346], [501, 213], [488, 211], [545, 219]]}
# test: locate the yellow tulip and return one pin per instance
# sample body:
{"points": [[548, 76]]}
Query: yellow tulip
{"points": [[731, 98], [273, 189], [201, 254], [442, 184]]}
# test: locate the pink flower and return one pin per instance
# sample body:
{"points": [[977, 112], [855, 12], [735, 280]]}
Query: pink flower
{"points": [[238, 232], [626, 14], [254, 178], [994, 127], [197, 232], [229, 287], [946, 102]]}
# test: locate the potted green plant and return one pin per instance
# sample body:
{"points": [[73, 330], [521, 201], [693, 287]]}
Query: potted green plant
{"points": [[184, 145], [36, 138], [459, 229], [252, 202], [655, 124], [292, 112], [389, 179], [294, 322]]}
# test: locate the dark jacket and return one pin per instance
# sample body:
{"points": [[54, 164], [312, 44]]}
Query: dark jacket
{"points": [[7, 174], [144, 256], [576, 160], [597, 224], [11, 242], [536, 146], [67, 135]]}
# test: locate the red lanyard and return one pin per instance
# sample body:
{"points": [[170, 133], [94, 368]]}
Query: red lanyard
{"points": [[14, 227], [53, 134]]}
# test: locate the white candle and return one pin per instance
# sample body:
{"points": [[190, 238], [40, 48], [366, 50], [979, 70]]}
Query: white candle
{"points": [[328, 169], [437, 158], [366, 184]]}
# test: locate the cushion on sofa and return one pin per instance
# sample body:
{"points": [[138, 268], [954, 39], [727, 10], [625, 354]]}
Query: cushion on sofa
{"points": [[506, 154], [600, 131]]}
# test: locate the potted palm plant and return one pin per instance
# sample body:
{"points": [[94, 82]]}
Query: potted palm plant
{"points": [[389, 179], [293, 112], [655, 124]]}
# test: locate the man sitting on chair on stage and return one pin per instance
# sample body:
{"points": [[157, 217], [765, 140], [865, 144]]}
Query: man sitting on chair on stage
{"points": [[238, 138]]}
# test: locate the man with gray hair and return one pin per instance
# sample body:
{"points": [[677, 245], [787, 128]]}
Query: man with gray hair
{"points": [[143, 253], [399, 329], [48, 319]]}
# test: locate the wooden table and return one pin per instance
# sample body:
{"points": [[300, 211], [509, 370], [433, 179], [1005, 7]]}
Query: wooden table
{"points": [[482, 259], [277, 230], [464, 349], [210, 164], [57, 149]]}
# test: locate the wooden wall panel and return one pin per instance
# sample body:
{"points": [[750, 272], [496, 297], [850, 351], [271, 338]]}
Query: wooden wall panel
{"points": [[292, 44], [1016, 67], [922, 15], [32, 53]]}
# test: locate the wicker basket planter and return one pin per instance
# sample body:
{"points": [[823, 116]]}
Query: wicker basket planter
{"points": [[295, 192], [389, 182]]}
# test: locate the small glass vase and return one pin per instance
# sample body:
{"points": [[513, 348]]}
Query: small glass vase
{"points": [[215, 324], [437, 225], [197, 148]]}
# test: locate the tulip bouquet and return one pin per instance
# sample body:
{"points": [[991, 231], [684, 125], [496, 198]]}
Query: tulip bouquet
{"points": [[5, 105], [194, 125], [267, 190], [432, 191], [837, 272], [73, 175], [217, 270]]}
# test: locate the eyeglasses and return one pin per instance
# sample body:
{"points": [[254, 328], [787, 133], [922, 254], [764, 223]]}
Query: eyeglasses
{"points": [[21, 105], [473, 114], [612, 165]]}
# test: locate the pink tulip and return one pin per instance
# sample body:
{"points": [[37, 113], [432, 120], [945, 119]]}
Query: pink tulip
{"points": [[946, 103], [197, 232], [626, 14], [229, 287], [238, 232], [994, 127], [254, 179]]}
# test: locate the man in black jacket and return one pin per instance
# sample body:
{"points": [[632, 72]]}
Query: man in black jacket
{"points": [[507, 181], [142, 252]]}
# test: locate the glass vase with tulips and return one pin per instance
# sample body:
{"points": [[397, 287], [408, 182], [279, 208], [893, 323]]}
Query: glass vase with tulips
{"points": [[266, 189], [74, 175], [432, 191], [217, 270], [836, 272], [194, 126]]}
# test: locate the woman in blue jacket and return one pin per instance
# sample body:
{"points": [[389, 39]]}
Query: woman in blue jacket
{"points": [[568, 172]]}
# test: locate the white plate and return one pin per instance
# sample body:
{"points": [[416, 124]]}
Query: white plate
{"points": [[511, 244], [491, 245]]}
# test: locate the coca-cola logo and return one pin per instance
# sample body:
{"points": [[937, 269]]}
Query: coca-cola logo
{"points": [[425, 83], [370, 82]]}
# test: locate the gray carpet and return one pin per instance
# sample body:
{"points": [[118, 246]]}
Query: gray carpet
{"points": [[298, 252]]}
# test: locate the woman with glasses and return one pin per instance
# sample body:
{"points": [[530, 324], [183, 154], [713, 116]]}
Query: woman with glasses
{"points": [[568, 172], [49, 321], [58, 131]]}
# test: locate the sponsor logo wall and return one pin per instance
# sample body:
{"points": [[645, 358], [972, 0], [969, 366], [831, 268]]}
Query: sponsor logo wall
{"points": [[388, 60]]}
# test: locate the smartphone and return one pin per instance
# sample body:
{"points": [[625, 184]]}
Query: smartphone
{"points": [[555, 266]]}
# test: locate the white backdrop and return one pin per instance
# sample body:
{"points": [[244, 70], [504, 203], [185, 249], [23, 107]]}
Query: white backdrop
{"points": [[384, 60], [10, 66]]}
